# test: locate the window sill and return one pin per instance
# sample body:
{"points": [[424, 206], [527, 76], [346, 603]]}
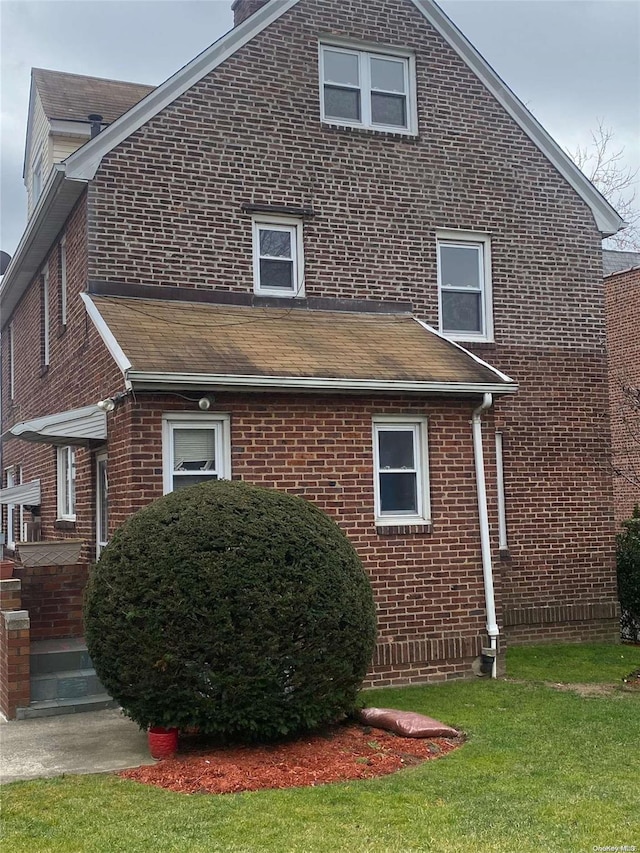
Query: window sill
{"points": [[64, 524], [466, 339], [408, 528], [406, 135]]}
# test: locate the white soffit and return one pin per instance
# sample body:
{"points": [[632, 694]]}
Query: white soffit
{"points": [[26, 494], [75, 426]]}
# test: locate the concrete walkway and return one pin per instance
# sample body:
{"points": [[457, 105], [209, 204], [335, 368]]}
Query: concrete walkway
{"points": [[91, 742]]}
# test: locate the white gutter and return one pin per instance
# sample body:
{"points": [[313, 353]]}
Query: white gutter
{"points": [[483, 515], [144, 379]]}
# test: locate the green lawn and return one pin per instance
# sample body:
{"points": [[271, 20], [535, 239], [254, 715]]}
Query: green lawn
{"points": [[543, 770]]}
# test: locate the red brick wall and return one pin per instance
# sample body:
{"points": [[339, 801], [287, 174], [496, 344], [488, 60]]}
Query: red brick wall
{"points": [[80, 372], [622, 304]]}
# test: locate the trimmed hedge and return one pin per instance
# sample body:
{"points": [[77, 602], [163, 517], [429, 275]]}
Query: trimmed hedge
{"points": [[242, 611], [628, 562]]}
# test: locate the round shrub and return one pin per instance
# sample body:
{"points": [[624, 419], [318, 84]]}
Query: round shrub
{"points": [[242, 611]]}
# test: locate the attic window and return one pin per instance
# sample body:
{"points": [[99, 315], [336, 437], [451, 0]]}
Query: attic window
{"points": [[370, 89], [277, 257]]}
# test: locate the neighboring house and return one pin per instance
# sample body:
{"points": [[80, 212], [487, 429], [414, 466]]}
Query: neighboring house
{"points": [[333, 255], [622, 306]]}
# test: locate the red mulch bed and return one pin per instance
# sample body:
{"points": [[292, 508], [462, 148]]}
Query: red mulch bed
{"points": [[339, 754]]}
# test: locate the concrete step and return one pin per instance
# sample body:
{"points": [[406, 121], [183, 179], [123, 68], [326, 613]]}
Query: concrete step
{"points": [[69, 684], [59, 656], [55, 707]]}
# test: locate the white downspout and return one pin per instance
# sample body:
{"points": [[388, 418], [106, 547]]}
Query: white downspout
{"points": [[483, 515]]}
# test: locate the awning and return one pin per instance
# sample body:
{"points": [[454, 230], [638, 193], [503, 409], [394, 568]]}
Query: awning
{"points": [[75, 426], [26, 494], [174, 344]]}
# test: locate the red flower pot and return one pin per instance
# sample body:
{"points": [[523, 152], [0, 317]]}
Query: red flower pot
{"points": [[163, 743], [6, 570]]}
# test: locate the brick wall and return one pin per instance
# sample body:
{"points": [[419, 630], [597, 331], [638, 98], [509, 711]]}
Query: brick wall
{"points": [[166, 209], [622, 302]]}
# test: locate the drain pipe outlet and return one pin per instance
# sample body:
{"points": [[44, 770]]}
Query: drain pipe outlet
{"points": [[485, 541]]}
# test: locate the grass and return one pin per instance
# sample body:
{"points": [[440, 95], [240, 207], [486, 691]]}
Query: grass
{"points": [[543, 770]]}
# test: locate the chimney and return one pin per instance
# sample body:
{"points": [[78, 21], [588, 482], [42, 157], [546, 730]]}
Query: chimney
{"points": [[243, 9], [96, 124]]}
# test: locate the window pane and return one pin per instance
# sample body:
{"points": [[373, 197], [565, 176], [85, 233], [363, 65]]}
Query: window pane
{"points": [[276, 274], [182, 480], [275, 244], [398, 493], [72, 484], [396, 448], [460, 266], [342, 103], [194, 449], [461, 312], [387, 74], [389, 109], [341, 68]]}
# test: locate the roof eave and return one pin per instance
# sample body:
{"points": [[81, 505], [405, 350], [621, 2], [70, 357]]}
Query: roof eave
{"points": [[608, 221], [142, 380], [84, 163], [54, 206]]}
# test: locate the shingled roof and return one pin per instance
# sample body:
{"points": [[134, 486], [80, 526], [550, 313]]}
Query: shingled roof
{"points": [[73, 96], [614, 261], [170, 341]]}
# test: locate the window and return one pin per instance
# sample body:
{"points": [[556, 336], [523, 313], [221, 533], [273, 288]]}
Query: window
{"points": [[464, 283], [401, 471], [195, 449], [368, 89], [63, 282], [66, 484], [277, 257], [45, 319]]}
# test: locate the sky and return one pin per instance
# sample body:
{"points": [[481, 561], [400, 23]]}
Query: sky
{"points": [[574, 63]]}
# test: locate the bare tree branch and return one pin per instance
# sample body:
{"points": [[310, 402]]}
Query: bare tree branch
{"points": [[603, 164]]}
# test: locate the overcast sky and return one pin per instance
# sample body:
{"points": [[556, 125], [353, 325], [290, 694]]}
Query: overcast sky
{"points": [[572, 62]]}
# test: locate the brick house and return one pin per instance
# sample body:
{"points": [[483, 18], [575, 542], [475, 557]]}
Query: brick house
{"points": [[333, 255], [622, 308]]}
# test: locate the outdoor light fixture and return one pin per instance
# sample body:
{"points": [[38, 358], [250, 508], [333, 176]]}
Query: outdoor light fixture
{"points": [[109, 404]]}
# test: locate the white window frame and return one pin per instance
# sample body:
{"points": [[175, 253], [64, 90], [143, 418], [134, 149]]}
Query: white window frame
{"points": [[418, 426], [12, 362], [46, 319], [186, 420], [294, 228], [364, 52], [482, 242], [66, 468], [63, 281]]}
